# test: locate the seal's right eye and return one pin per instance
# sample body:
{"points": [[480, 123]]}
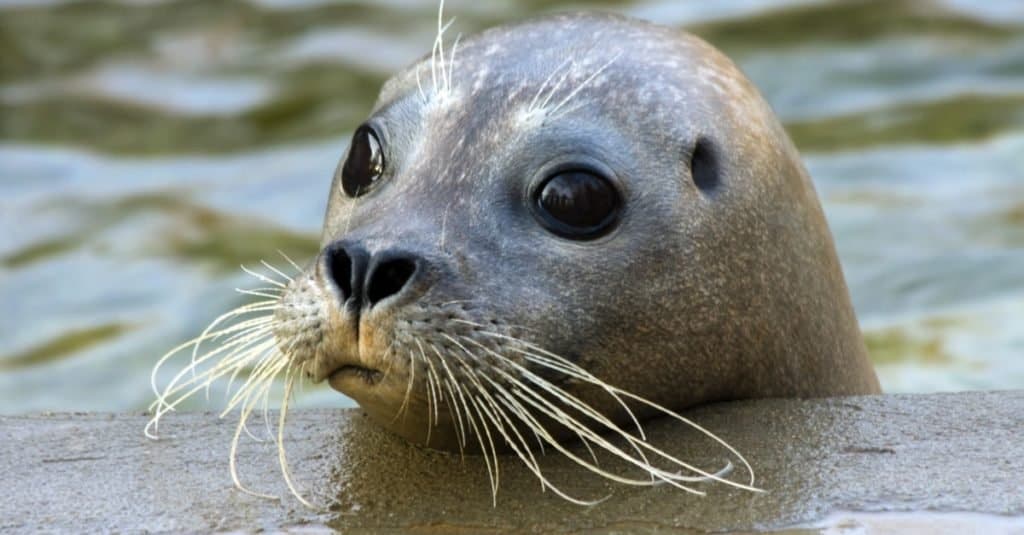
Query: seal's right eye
{"points": [[364, 164]]}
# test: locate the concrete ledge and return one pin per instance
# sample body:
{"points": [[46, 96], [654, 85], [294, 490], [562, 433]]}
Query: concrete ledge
{"points": [[937, 453]]}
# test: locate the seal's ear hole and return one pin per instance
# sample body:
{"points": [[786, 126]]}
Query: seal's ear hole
{"points": [[704, 166]]}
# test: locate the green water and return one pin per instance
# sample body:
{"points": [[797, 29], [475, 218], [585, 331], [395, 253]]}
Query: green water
{"points": [[149, 148]]}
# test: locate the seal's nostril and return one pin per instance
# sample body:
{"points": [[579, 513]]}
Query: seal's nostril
{"points": [[339, 265], [388, 278]]}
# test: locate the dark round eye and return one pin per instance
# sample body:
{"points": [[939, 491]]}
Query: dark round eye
{"points": [[577, 204], [364, 163]]}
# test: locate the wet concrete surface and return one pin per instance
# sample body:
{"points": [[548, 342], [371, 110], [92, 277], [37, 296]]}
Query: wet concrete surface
{"points": [[927, 454]]}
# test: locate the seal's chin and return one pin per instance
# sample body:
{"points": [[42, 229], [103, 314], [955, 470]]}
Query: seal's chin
{"points": [[350, 376]]}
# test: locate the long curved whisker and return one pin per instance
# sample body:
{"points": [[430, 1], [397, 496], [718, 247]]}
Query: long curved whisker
{"points": [[408, 388], [233, 456], [524, 415], [281, 454], [431, 393], [449, 382], [236, 352], [575, 426], [629, 411], [568, 420], [495, 413], [583, 375], [238, 356], [524, 453], [246, 346], [205, 335], [559, 415]]}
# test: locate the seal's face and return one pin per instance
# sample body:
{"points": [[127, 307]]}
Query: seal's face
{"points": [[569, 203]]}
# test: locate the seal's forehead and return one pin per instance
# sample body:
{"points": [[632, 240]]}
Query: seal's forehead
{"points": [[539, 52]]}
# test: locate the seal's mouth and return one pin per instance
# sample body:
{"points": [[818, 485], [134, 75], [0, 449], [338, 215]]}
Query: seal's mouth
{"points": [[343, 376]]}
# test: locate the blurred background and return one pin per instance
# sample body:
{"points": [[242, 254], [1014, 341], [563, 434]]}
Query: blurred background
{"points": [[148, 148]]}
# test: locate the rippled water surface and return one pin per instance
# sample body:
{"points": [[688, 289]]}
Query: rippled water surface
{"points": [[148, 148]]}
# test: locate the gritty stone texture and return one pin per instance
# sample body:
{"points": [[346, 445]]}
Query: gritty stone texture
{"points": [[97, 472]]}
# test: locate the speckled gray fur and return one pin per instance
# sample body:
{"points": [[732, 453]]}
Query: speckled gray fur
{"points": [[695, 296]]}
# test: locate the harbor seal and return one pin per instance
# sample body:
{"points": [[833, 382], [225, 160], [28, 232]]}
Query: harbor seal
{"points": [[555, 230]]}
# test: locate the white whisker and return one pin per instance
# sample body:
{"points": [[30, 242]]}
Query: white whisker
{"points": [[554, 89], [262, 277], [539, 403], [451, 62], [233, 457], [275, 270], [584, 84], [533, 102], [450, 381], [255, 293], [408, 388], [298, 269], [282, 457]]}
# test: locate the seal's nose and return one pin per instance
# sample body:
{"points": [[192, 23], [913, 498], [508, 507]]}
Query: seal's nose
{"points": [[362, 280]]}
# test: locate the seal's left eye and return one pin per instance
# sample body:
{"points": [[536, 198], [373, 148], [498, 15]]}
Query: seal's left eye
{"points": [[577, 204], [364, 164]]}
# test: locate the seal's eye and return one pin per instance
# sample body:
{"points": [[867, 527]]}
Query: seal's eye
{"points": [[364, 163], [577, 204]]}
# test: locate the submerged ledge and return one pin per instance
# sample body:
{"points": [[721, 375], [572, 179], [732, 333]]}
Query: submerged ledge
{"points": [[819, 460]]}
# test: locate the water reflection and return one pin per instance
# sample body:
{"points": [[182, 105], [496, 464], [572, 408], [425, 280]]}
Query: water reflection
{"points": [[149, 148]]}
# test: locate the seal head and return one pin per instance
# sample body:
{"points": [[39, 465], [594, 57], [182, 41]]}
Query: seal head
{"points": [[561, 209]]}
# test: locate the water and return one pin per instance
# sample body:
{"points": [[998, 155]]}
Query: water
{"points": [[149, 148]]}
